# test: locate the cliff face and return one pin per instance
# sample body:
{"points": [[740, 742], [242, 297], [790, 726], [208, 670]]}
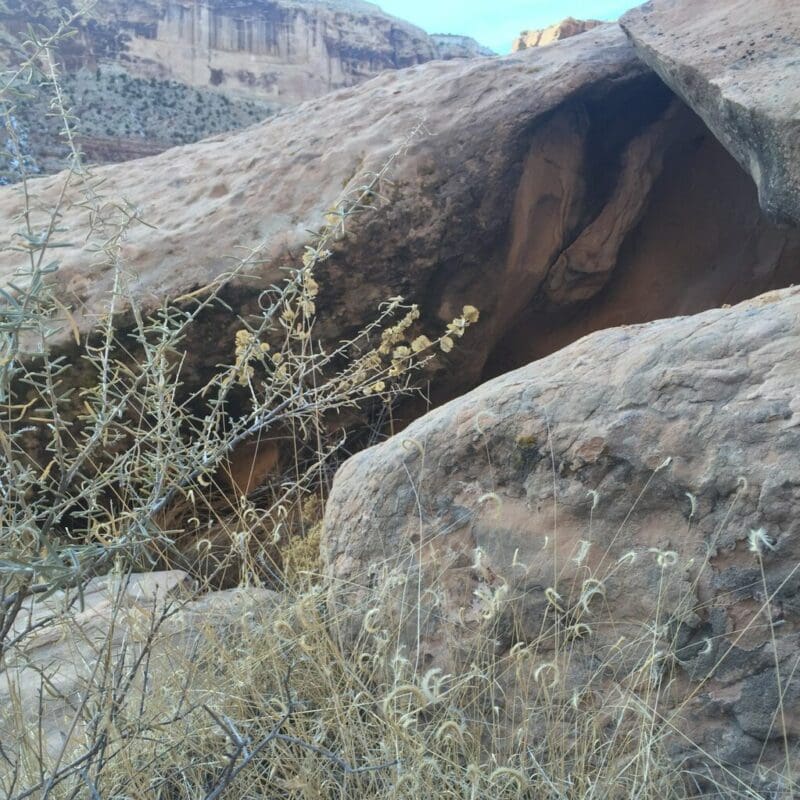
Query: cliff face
{"points": [[449, 46], [145, 75], [562, 30], [283, 51]]}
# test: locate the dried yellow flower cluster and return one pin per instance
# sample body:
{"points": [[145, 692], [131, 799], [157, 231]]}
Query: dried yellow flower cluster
{"points": [[394, 343], [310, 285], [456, 328], [471, 314], [421, 343], [396, 334], [247, 348]]}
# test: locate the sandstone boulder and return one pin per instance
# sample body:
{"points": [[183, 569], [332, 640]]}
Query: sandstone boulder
{"points": [[735, 63], [637, 490], [560, 189], [83, 647], [540, 37]]}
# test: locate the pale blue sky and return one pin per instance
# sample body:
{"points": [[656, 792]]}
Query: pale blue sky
{"points": [[495, 23]]}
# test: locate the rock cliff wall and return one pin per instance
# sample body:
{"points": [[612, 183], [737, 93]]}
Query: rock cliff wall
{"points": [[146, 75], [449, 46], [284, 51]]}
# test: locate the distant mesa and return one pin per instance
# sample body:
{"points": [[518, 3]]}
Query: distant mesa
{"points": [[562, 30]]}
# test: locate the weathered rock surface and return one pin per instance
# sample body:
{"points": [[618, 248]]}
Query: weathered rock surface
{"points": [[81, 647], [539, 37], [642, 457], [452, 46], [561, 190], [735, 63]]}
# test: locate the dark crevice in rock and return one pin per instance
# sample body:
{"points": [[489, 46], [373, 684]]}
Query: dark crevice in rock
{"points": [[701, 242]]}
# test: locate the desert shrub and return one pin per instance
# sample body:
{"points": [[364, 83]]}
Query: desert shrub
{"points": [[102, 446]]}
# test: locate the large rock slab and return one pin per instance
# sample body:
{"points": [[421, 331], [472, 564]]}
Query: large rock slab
{"points": [[560, 190], [636, 482], [735, 62]]}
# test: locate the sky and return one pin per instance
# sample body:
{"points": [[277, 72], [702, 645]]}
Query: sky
{"points": [[495, 23]]}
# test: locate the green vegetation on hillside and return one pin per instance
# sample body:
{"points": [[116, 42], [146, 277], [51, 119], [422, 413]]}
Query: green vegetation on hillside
{"points": [[151, 114]]}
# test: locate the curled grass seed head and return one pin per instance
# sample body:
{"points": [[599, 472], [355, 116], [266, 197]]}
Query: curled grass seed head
{"points": [[370, 619], [410, 692], [590, 588], [408, 720], [554, 599], [493, 601], [432, 683], [450, 730], [543, 670], [413, 445], [758, 539], [583, 551], [283, 630], [579, 630], [664, 558], [492, 497], [520, 650], [478, 426], [509, 775], [474, 773]]}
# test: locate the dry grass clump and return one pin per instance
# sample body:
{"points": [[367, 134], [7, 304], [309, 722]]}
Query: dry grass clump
{"points": [[251, 694], [568, 700], [268, 705]]}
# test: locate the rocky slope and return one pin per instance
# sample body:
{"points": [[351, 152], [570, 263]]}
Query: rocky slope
{"points": [[146, 76], [539, 37], [640, 459]]}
